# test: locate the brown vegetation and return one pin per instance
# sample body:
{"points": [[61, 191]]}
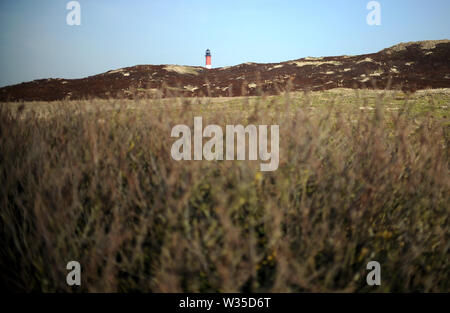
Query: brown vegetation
{"points": [[408, 67], [98, 186]]}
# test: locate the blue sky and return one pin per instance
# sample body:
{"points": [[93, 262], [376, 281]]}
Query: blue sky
{"points": [[36, 42]]}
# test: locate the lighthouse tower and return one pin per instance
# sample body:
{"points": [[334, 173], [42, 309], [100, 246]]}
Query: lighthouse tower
{"points": [[208, 59]]}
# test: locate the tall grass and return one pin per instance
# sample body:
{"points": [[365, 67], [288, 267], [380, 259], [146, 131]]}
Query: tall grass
{"points": [[99, 186]]}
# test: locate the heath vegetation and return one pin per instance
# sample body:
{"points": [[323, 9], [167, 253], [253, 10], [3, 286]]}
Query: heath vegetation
{"points": [[362, 176]]}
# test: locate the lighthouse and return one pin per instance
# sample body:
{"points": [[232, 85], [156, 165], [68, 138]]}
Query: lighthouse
{"points": [[208, 59]]}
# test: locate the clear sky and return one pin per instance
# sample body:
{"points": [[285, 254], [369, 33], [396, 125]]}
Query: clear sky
{"points": [[36, 42]]}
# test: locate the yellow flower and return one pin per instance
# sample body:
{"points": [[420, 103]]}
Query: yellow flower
{"points": [[258, 176], [385, 234]]}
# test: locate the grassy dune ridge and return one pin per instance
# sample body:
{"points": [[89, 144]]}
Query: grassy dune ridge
{"points": [[363, 175]]}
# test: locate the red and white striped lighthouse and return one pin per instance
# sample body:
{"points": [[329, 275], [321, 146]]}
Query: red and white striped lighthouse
{"points": [[208, 59]]}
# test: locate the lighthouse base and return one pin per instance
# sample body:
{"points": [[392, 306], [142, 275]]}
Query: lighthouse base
{"points": [[208, 66]]}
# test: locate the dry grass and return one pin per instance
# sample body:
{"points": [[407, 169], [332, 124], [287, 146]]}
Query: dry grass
{"points": [[94, 182]]}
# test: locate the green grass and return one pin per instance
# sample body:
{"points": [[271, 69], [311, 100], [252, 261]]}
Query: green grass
{"points": [[363, 175]]}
